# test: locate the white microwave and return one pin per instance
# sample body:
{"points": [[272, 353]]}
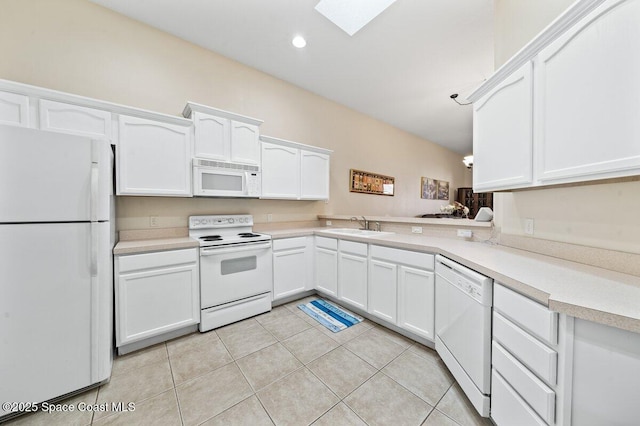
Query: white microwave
{"points": [[220, 179]]}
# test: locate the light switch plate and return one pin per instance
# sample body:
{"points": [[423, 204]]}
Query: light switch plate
{"points": [[416, 229], [528, 226]]}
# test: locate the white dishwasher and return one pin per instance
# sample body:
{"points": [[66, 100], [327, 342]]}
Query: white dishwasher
{"points": [[463, 328]]}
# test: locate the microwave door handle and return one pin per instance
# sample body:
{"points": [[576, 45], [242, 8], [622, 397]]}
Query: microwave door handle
{"points": [[210, 251]]}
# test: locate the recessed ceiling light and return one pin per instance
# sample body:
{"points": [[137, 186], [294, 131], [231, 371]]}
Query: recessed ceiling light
{"points": [[352, 15], [299, 42]]}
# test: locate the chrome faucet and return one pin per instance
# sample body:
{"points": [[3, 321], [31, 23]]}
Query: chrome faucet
{"points": [[364, 222]]}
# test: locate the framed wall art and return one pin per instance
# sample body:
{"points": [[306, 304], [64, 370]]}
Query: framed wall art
{"points": [[371, 183], [433, 189]]}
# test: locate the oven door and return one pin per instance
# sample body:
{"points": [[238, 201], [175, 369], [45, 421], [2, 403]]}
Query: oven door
{"points": [[233, 273], [213, 182]]}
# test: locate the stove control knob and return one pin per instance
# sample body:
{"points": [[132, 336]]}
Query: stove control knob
{"points": [[231, 220]]}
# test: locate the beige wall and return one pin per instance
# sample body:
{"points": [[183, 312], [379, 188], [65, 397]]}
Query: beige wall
{"points": [[79, 47], [603, 215]]}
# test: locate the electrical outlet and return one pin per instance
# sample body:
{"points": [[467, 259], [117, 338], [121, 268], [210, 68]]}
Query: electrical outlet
{"points": [[528, 226], [465, 233], [416, 229], [153, 221], [269, 217], [328, 223]]}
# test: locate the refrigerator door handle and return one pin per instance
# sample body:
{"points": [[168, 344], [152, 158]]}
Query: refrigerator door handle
{"points": [[95, 188], [94, 239]]}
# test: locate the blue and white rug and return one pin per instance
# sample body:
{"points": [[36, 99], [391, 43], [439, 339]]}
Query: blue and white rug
{"points": [[330, 316]]}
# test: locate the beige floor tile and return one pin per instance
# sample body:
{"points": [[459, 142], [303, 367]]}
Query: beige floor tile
{"points": [[339, 415], [350, 333], [160, 410], [245, 337], [248, 412], [374, 348], [436, 418], [285, 325], [267, 365], [195, 355], [425, 378], [137, 359], [62, 418], [309, 345], [293, 306], [456, 406], [382, 401], [209, 395], [342, 371], [425, 352], [298, 399], [393, 336], [274, 313], [136, 385]]}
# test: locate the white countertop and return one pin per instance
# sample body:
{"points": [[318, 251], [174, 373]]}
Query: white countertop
{"points": [[582, 291], [155, 244]]}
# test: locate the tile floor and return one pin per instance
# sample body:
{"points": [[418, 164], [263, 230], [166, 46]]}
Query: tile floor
{"points": [[279, 368]]}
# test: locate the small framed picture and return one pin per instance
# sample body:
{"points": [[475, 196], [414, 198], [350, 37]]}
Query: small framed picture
{"points": [[443, 190], [429, 188]]}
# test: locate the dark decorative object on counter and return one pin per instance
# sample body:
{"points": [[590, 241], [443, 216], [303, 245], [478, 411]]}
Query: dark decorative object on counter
{"points": [[474, 201]]}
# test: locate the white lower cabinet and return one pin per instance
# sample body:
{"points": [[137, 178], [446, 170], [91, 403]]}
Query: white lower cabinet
{"points": [[526, 345], [352, 273], [401, 289], [383, 290], [416, 301], [326, 265], [292, 266], [156, 293]]}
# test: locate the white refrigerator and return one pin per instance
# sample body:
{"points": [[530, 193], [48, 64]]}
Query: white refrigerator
{"points": [[56, 267]]}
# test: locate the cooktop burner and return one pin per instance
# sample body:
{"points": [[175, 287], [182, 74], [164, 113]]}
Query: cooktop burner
{"points": [[211, 238], [247, 235]]}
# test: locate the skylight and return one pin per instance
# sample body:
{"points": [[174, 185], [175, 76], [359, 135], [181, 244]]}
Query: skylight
{"points": [[352, 15]]}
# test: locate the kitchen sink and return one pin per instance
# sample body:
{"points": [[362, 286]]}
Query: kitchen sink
{"points": [[357, 232]]}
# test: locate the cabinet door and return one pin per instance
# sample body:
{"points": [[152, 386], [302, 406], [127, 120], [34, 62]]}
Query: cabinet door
{"points": [[352, 280], [75, 120], [503, 134], [383, 284], [289, 272], [154, 158], [156, 300], [327, 271], [416, 301], [588, 97], [245, 143], [212, 137], [314, 176], [280, 171], [14, 109]]}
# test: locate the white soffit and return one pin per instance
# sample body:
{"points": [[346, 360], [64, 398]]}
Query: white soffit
{"points": [[352, 15]]}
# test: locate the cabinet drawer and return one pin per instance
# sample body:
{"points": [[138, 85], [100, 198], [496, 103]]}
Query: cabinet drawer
{"points": [[289, 243], [353, 247], [405, 257], [538, 357], [162, 259], [507, 408], [75, 120], [538, 395], [531, 315], [328, 243]]}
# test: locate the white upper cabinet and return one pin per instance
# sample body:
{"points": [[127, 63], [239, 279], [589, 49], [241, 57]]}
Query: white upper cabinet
{"points": [[573, 115], [502, 134], [314, 175], [212, 136], [294, 171], [74, 119], [14, 109], [224, 136], [280, 171], [153, 157], [588, 97]]}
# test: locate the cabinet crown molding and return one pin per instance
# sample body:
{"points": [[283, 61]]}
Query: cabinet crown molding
{"points": [[192, 107], [561, 24], [292, 144]]}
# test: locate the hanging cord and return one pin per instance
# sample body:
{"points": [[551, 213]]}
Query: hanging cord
{"points": [[454, 96]]}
